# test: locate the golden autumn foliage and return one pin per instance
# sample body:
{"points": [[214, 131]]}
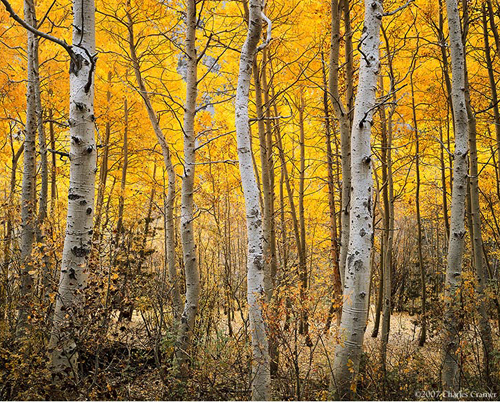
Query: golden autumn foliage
{"points": [[127, 341]]}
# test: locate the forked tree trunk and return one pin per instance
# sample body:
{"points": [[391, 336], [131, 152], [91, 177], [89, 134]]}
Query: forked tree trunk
{"points": [[450, 375], [357, 275], [261, 379], [69, 309]]}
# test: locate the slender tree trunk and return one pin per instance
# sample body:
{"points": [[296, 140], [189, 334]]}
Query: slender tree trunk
{"points": [[186, 327], [123, 182], [341, 112], [44, 173], [477, 241], [103, 170], [304, 320], [491, 77], [493, 25], [388, 202], [169, 167], [267, 208], [357, 276], [44, 176], [78, 241], [270, 164], [273, 342], [7, 253], [334, 247], [423, 318], [53, 175], [28, 215], [451, 372], [261, 379]]}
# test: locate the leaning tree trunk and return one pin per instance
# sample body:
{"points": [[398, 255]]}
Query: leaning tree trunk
{"points": [[357, 275], [186, 325], [78, 241], [451, 370], [28, 217], [169, 167], [261, 379]]}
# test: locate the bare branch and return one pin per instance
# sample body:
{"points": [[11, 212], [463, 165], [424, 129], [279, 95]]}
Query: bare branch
{"points": [[397, 10], [269, 33], [24, 24]]}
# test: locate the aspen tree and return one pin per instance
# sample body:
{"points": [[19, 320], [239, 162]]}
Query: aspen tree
{"points": [[79, 224], [357, 274], [261, 379], [187, 321], [451, 371]]}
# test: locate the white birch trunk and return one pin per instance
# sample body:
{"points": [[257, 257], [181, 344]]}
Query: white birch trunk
{"points": [[261, 379], [357, 275], [78, 241], [450, 372], [186, 325]]}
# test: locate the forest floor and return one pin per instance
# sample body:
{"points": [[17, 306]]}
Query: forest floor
{"points": [[303, 371]]}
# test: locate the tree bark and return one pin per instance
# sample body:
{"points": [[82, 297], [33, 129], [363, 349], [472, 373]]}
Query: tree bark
{"points": [[423, 318], [28, 215], [450, 375], [334, 246], [357, 276], [186, 326], [388, 201], [477, 241], [261, 379], [53, 175], [79, 224], [341, 112], [123, 181], [103, 170], [491, 77]]}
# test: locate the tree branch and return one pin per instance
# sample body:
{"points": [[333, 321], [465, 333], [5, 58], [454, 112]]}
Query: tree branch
{"points": [[269, 32], [397, 10], [32, 29]]}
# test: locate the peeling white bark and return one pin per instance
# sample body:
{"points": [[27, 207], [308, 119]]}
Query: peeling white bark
{"points": [[261, 378], [78, 241], [357, 275]]}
